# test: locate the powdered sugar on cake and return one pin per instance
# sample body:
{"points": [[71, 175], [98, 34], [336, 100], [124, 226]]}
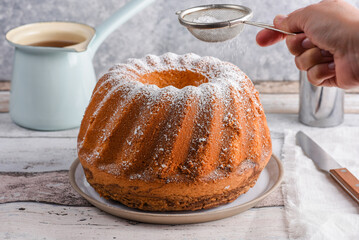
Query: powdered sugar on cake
{"points": [[224, 79]]}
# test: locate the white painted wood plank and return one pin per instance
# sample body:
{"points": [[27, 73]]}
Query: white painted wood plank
{"points": [[51, 154], [44, 221], [36, 154], [280, 86], [30, 153], [263, 86], [289, 103], [351, 103], [279, 122], [275, 120], [4, 101], [9, 129], [277, 87], [54, 187], [272, 103], [280, 103], [4, 85]]}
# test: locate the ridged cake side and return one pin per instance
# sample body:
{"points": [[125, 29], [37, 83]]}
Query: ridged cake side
{"points": [[158, 147]]}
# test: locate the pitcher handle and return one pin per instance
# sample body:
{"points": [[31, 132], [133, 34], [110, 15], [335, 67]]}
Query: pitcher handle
{"points": [[113, 22]]}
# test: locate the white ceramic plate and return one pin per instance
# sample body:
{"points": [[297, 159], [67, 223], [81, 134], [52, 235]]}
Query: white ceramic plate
{"points": [[268, 181]]}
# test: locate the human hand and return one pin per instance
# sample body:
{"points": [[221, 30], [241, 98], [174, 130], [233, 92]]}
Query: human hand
{"points": [[327, 43]]}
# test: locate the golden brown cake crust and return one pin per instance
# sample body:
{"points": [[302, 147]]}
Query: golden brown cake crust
{"points": [[174, 133], [174, 196]]}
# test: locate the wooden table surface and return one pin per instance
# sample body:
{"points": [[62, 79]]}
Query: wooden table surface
{"points": [[37, 201]]}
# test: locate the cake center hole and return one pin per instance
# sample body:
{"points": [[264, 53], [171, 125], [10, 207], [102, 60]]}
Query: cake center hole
{"points": [[178, 79]]}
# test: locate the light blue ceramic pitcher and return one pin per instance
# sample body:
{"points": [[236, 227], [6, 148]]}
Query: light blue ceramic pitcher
{"points": [[51, 86]]}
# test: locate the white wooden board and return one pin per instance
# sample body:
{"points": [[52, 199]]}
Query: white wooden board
{"points": [[44, 221]]}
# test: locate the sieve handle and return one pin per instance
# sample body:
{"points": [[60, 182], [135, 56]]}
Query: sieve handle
{"points": [[267, 26]]}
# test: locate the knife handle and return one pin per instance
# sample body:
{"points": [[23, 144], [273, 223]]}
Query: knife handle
{"points": [[347, 181]]}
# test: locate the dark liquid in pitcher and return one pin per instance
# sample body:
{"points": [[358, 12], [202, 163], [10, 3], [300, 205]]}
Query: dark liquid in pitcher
{"points": [[58, 44]]}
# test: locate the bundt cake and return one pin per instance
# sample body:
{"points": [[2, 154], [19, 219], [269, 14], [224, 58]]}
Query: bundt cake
{"points": [[174, 132]]}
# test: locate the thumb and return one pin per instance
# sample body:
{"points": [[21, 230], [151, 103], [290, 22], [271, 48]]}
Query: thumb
{"points": [[294, 22], [279, 19]]}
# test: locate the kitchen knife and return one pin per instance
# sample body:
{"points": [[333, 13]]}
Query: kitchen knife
{"points": [[327, 164]]}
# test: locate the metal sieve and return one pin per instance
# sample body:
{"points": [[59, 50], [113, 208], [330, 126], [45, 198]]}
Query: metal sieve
{"points": [[219, 22]]}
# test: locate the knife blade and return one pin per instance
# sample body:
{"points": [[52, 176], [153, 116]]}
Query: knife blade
{"points": [[326, 163]]}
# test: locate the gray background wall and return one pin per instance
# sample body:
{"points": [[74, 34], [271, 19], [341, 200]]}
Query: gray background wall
{"points": [[155, 31]]}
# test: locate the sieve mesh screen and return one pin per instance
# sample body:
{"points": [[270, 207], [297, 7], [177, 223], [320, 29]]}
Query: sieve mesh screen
{"points": [[215, 23], [222, 14]]}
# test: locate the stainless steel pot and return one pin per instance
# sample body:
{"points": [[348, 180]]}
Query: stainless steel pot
{"points": [[320, 106]]}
